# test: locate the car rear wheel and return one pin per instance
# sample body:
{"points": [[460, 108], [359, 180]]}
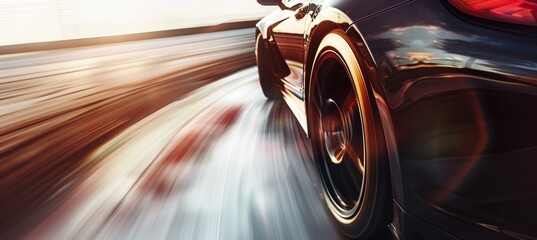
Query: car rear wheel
{"points": [[267, 79], [347, 142]]}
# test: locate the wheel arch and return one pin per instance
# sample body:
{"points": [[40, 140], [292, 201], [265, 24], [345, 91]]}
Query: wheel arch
{"points": [[370, 72], [315, 36]]}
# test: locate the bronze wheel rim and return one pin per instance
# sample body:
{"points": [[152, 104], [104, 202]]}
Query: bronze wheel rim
{"points": [[338, 135]]}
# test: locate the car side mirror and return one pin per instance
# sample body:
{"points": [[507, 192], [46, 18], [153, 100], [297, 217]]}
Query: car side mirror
{"points": [[279, 3], [269, 2]]}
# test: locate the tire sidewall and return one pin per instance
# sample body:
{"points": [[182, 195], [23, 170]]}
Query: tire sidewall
{"points": [[362, 224], [267, 79]]}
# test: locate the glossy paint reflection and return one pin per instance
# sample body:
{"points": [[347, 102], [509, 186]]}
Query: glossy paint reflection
{"points": [[455, 95], [460, 96]]}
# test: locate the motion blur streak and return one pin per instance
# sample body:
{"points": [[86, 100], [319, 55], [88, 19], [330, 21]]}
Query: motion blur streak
{"points": [[57, 108], [222, 163]]}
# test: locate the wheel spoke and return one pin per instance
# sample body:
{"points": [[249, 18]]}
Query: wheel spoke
{"points": [[338, 143], [356, 158]]}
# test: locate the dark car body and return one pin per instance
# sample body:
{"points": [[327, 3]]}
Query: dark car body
{"points": [[457, 96]]}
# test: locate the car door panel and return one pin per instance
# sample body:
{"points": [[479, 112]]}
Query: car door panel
{"points": [[289, 38]]}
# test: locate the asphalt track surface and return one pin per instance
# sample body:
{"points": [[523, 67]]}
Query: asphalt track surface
{"points": [[156, 139]]}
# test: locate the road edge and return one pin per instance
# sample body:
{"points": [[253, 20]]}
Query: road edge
{"points": [[85, 42]]}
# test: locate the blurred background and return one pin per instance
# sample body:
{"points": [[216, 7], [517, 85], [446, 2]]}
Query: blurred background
{"points": [[134, 135], [27, 21]]}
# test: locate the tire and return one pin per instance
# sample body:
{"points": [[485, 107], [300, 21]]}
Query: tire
{"points": [[347, 140], [267, 79]]}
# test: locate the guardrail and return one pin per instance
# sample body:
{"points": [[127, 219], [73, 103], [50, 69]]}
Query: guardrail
{"points": [[72, 43]]}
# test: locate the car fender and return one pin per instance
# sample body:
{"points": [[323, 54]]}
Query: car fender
{"points": [[330, 19]]}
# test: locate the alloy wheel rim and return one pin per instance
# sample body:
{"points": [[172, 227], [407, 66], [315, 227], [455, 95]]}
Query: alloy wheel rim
{"points": [[340, 144]]}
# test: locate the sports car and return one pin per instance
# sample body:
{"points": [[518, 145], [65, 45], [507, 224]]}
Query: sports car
{"points": [[422, 114]]}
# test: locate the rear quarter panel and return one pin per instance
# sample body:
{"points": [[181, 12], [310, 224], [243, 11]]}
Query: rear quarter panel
{"points": [[461, 96]]}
